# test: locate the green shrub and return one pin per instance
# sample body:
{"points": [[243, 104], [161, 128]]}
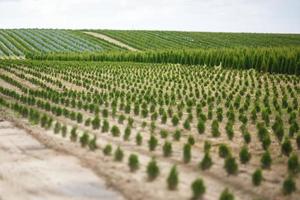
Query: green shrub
{"points": [[175, 120], [87, 122], [164, 133], [257, 177], [64, 130], [93, 144], [115, 131], [173, 179], [245, 155], [187, 153], [286, 147], [84, 139], [133, 162], [191, 140], [298, 140], [127, 133], [198, 188], [186, 124], [152, 169], [139, 139], [266, 160], [201, 126], [224, 151], [96, 122], [119, 154], [167, 149], [293, 164], [105, 126], [230, 165], [226, 195], [74, 134], [229, 130], [289, 186], [206, 162], [207, 146], [107, 150], [79, 118], [215, 128], [57, 127], [152, 143], [266, 142], [177, 135], [247, 137]]}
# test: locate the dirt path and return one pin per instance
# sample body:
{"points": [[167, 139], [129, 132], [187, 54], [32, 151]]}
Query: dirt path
{"points": [[111, 40], [29, 170]]}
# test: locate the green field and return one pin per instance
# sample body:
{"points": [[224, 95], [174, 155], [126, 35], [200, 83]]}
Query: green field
{"points": [[155, 40]]}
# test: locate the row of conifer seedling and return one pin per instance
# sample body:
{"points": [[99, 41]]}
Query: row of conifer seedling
{"points": [[197, 186]]}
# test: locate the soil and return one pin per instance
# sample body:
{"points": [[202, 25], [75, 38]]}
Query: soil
{"points": [[111, 40]]}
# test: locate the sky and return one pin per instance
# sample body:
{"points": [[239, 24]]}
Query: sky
{"points": [[268, 16]]}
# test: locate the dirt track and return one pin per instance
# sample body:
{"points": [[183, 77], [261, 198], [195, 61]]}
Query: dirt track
{"points": [[30, 170], [111, 40]]}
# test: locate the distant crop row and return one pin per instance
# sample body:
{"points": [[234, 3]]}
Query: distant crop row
{"points": [[284, 60], [154, 40], [18, 42]]}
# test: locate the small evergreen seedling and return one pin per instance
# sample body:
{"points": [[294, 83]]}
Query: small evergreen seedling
{"points": [[187, 153], [152, 170], [93, 144], [293, 164], [74, 134], [257, 177], [64, 131], [206, 162], [84, 139], [215, 129], [230, 165], [191, 140], [167, 149], [175, 120], [286, 147], [207, 146], [289, 186], [245, 155], [226, 195], [177, 135], [266, 160], [57, 127], [198, 188], [172, 179], [152, 143], [119, 155], [164, 134], [127, 133], [107, 150], [224, 151], [115, 131], [96, 122], [133, 162], [201, 126], [139, 139], [187, 125]]}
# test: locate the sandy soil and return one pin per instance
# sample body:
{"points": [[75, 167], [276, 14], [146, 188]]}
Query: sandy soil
{"points": [[111, 40], [30, 170]]}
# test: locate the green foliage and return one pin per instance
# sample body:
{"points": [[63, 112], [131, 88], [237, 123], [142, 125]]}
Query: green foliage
{"points": [[245, 155], [230, 165], [133, 162], [177, 135], [96, 122], [206, 162], [201, 126], [198, 188], [167, 149], [118, 154], [93, 144], [115, 131], [288, 186], [74, 134], [286, 147], [215, 128], [257, 177], [84, 139], [175, 120], [127, 133], [224, 151], [266, 160], [293, 164], [187, 155], [139, 139], [107, 150], [152, 143], [173, 179], [152, 169], [226, 195]]}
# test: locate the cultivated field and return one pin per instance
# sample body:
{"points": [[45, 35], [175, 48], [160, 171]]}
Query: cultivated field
{"points": [[165, 131]]}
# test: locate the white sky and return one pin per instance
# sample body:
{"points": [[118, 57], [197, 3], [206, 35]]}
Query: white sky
{"points": [[194, 15]]}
